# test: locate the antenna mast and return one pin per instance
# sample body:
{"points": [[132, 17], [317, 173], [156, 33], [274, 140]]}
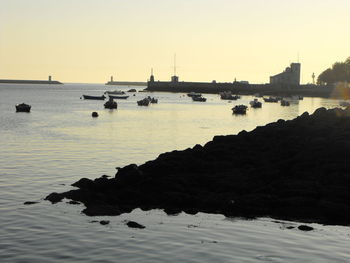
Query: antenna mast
{"points": [[175, 64]]}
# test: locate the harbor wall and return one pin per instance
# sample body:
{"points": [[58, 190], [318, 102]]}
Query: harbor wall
{"points": [[251, 89], [16, 81]]}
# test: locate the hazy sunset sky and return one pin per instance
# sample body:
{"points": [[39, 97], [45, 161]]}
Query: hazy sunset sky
{"points": [[90, 40]]}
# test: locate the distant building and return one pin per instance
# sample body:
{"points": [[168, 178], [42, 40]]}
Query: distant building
{"points": [[291, 76], [50, 78]]}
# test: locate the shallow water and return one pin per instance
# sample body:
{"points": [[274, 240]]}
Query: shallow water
{"points": [[59, 142]]}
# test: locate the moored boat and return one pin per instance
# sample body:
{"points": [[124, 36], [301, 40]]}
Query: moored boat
{"points": [[115, 92], [255, 103], [23, 107], [88, 97], [119, 97], [227, 95], [285, 103], [143, 102], [194, 94], [270, 99], [199, 98], [239, 109], [111, 104], [152, 100]]}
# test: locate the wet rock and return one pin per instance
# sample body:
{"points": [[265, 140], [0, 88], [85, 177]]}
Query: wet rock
{"points": [[102, 210], [55, 197], [305, 228], [104, 222], [30, 203], [72, 202], [133, 224]]}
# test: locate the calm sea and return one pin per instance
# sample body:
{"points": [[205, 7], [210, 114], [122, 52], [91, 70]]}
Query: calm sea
{"points": [[59, 142]]}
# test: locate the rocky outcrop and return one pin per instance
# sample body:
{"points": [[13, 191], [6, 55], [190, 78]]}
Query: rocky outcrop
{"points": [[295, 170]]}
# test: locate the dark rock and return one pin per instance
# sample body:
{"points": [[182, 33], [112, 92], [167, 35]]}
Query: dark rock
{"points": [[102, 210], [290, 170], [104, 222], [94, 114], [55, 197], [72, 202], [83, 183], [133, 224], [305, 228], [30, 203]]}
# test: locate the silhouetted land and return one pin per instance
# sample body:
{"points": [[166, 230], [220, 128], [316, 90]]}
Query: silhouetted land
{"points": [[127, 83], [16, 81], [296, 170], [249, 89]]}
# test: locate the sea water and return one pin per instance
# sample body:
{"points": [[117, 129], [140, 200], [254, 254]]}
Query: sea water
{"points": [[58, 143]]}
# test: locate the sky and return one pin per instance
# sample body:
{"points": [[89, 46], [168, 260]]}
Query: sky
{"points": [[87, 41]]}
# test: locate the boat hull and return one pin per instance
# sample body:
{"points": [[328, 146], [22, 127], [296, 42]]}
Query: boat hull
{"points": [[88, 97]]}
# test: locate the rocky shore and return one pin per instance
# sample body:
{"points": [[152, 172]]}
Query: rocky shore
{"points": [[294, 170]]}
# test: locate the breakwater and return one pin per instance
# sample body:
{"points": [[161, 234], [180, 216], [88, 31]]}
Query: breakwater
{"points": [[127, 83], [16, 81], [249, 89]]}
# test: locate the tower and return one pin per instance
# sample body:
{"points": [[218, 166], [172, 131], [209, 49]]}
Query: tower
{"points": [[50, 79], [152, 77], [111, 78], [174, 78], [313, 78]]}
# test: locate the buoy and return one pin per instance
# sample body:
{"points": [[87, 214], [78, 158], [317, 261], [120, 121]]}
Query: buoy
{"points": [[94, 114]]}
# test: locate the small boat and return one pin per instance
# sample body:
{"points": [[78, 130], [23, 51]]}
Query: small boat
{"points": [[270, 99], [239, 109], [143, 102], [132, 90], [197, 98], [152, 100], [94, 114], [285, 103], [119, 97], [227, 95], [88, 97], [194, 94], [255, 103], [296, 97], [115, 92], [23, 107], [111, 104]]}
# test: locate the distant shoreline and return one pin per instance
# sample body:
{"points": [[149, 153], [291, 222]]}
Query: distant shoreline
{"points": [[249, 89], [17, 81]]}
